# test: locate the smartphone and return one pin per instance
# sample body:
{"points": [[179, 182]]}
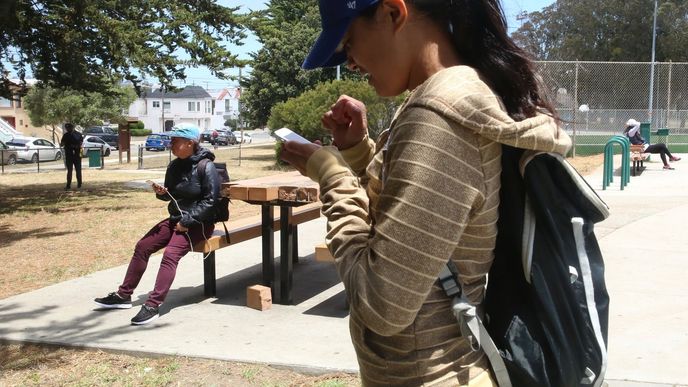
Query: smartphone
{"points": [[152, 183], [286, 134]]}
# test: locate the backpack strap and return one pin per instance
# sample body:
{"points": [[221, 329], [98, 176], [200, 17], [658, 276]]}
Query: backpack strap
{"points": [[200, 168], [471, 325]]}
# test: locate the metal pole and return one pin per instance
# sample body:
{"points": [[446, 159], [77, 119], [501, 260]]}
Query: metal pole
{"points": [[339, 72], [162, 105], [668, 105], [575, 110], [652, 65], [241, 126]]}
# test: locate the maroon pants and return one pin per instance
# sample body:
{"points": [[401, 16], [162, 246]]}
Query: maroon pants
{"points": [[176, 245]]}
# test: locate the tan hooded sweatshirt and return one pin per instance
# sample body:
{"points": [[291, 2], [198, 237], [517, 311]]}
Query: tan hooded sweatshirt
{"points": [[398, 210]]}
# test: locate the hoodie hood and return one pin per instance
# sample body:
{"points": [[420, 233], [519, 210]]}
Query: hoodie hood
{"points": [[201, 154], [459, 94]]}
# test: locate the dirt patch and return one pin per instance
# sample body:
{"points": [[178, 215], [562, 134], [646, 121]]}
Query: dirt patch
{"points": [[31, 365], [586, 164]]}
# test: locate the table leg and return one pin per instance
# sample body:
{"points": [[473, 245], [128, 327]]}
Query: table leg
{"points": [[286, 250], [295, 243], [268, 232]]}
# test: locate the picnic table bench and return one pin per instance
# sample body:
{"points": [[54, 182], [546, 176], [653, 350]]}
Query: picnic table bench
{"points": [[638, 157], [297, 198]]}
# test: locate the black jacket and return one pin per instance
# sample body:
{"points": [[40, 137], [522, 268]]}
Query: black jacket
{"points": [[195, 196]]}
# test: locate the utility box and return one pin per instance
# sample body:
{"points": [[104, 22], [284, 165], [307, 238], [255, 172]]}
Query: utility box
{"points": [[645, 131], [93, 158], [258, 297]]}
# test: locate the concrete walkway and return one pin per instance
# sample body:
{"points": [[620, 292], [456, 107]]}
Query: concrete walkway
{"points": [[645, 244]]}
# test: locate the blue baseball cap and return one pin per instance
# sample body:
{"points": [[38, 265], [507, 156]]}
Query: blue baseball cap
{"points": [[336, 16], [187, 131]]}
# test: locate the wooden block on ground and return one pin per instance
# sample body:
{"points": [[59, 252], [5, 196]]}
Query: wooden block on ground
{"points": [[322, 253], [258, 297]]}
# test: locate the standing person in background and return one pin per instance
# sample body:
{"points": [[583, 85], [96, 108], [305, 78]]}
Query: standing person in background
{"points": [[192, 197], [214, 135], [71, 143], [633, 132], [428, 191]]}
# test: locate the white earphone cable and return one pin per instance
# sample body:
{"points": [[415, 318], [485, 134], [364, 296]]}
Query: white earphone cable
{"points": [[186, 233]]}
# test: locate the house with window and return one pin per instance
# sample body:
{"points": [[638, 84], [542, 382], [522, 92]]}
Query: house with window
{"points": [[226, 105], [13, 114], [160, 111]]}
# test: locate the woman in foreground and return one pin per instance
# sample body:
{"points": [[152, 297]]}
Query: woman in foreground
{"points": [[427, 190]]}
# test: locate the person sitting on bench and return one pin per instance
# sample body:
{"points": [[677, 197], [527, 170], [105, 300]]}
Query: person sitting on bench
{"points": [[633, 132], [192, 198]]}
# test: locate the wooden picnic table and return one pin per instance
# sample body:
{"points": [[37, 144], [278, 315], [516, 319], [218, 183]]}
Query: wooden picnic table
{"points": [[286, 191]]}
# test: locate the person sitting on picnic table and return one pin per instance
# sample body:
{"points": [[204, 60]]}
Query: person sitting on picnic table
{"points": [[633, 132], [192, 199]]}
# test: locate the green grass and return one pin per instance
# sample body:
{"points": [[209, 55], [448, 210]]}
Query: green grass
{"points": [[590, 144]]}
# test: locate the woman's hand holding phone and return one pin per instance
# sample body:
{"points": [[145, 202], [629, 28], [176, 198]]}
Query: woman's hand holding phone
{"points": [[159, 190]]}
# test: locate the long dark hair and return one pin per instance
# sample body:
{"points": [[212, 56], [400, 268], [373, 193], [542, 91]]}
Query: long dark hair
{"points": [[479, 33]]}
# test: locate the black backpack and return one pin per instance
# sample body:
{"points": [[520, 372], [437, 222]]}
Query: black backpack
{"points": [[222, 205], [546, 305]]}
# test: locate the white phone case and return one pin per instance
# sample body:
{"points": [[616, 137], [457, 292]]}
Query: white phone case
{"points": [[286, 134]]}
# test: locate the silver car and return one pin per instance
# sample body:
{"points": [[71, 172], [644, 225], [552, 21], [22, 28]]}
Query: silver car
{"points": [[33, 148], [93, 142], [7, 156]]}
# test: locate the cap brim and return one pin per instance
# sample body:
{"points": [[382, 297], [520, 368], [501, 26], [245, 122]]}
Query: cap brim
{"points": [[186, 137], [323, 51]]}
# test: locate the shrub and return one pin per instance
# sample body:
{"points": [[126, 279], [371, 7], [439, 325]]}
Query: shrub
{"points": [[140, 132], [302, 114]]}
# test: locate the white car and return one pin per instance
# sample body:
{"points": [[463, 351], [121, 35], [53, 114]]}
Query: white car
{"points": [[93, 142], [247, 137], [33, 148]]}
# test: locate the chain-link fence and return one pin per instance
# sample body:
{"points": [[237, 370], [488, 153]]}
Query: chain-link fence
{"points": [[595, 99]]}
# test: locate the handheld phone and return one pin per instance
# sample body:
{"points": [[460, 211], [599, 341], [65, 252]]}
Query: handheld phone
{"points": [[152, 183], [286, 134]]}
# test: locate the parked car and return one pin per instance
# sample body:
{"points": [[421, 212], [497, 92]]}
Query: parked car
{"points": [[159, 142], [94, 142], [206, 135], [224, 137], [33, 148], [9, 156], [246, 139], [108, 135]]}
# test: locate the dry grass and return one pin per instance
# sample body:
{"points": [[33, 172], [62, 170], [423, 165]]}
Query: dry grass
{"points": [[53, 235], [48, 235], [32, 365]]}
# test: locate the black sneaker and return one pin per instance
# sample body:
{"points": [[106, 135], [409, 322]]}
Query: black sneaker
{"points": [[145, 315], [114, 301]]}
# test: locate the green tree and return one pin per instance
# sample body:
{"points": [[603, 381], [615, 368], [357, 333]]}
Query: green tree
{"points": [[302, 114], [90, 45], [613, 30], [287, 30], [53, 107]]}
